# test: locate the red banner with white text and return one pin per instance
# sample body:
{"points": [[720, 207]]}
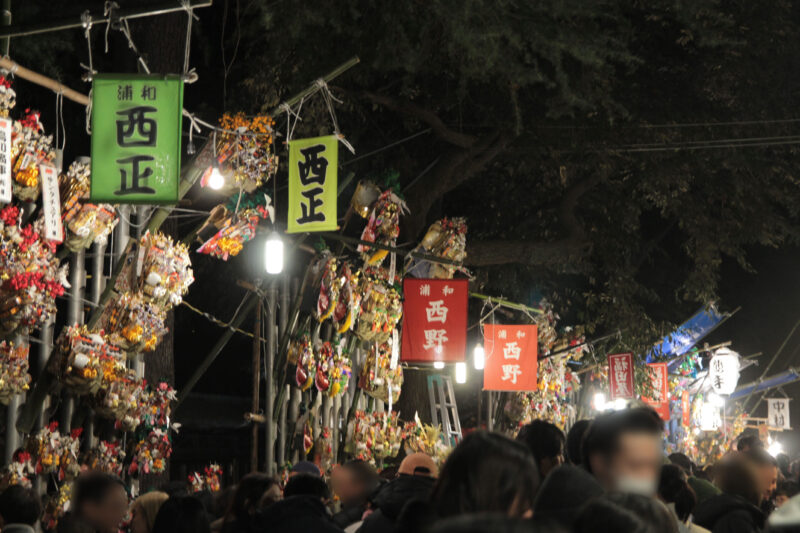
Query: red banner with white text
{"points": [[620, 376], [434, 320], [511, 357], [660, 399]]}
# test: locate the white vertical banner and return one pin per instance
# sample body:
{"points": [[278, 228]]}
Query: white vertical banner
{"points": [[52, 203], [778, 413], [5, 160]]}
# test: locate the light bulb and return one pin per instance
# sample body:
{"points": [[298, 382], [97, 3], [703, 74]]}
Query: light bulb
{"points": [[600, 401], [461, 372], [438, 365], [273, 254], [620, 404], [479, 357], [775, 448], [216, 180]]}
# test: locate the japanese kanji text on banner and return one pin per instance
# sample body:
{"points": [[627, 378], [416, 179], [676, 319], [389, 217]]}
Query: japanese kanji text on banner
{"points": [[511, 357], [660, 399], [136, 138], [435, 320], [620, 376], [313, 174], [778, 413]]}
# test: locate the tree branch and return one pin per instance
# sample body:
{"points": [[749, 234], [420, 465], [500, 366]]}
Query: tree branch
{"points": [[425, 115], [566, 255]]}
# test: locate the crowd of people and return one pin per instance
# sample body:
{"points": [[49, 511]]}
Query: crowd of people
{"points": [[606, 475]]}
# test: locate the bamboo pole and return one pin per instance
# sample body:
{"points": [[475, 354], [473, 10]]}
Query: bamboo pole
{"points": [[34, 77], [256, 386]]}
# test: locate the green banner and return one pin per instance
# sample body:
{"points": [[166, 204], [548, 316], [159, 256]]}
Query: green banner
{"points": [[136, 138], [312, 184]]}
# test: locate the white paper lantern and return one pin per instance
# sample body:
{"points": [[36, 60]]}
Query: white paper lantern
{"points": [[723, 371]]}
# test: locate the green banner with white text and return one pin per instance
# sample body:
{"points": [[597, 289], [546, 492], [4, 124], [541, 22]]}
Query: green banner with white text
{"points": [[136, 138], [312, 184]]}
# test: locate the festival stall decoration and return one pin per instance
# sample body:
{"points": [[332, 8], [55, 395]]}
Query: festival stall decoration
{"points": [[14, 376], [324, 449], [31, 278], [19, 471], [106, 457], [306, 363], [244, 150], [150, 452], [208, 479], [119, 395], [53, 452], [426, 439], [76, 359], [375, 436], [446, 239], [345, 313], [383, 227], [57, 506], [381, 307], [378, 378], [235, 229], [30, 148], [328, 288], [339, 373], [366, 195], [511, 357], [86, 223], [133, 324], [723, 371]]}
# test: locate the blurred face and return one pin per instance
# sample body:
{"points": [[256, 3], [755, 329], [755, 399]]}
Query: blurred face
{"points": [[768, 480], [138, 520], [634, 468], [780, 499], [106, 515], [548, 464], [346, 486]]}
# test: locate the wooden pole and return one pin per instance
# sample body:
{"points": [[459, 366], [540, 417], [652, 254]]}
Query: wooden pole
{"points": [[39, 79], [256, 403]]}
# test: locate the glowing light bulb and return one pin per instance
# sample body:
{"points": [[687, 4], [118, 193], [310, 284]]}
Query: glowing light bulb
{"points": [[775, 448], [438, 365], [216, 180], [479, 357], [461, 372], [620, 404], [599, 401], [273, 254]]}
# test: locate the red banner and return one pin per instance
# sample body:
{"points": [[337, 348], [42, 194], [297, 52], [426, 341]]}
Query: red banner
{"points": [[660, 399], [686, 413], [620, 376], [511, 357], [434, 320]]}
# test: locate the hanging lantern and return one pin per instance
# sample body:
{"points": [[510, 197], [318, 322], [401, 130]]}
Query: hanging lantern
{"points": [[724, 371]]}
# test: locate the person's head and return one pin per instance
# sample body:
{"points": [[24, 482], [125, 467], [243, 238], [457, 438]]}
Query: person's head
{"points": [[622, 449], [144, 510], [632, 513], [673, 487], [737, 476], [307, 485], [546, 442], [785, 491], [682, 460], [19, 505], [561, 496], [575, 441], [487, 473], [418, 464], [305, 467], [100, 500], [255, 491], [749, 442], [182, 514], [353, 482], [766, 469]]}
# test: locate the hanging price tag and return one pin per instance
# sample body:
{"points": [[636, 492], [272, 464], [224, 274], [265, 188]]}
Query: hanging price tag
{"points": [[5, 160], [52, 203]]}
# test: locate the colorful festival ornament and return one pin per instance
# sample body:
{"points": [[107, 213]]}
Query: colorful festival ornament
{"points": [[380, 306], [383, 227], [208, 479], [234, 231], [244, 150], [306, 364], [377, 377], [86, 223], [329, 289], [30, 148], [446, 239], [14, 376]]}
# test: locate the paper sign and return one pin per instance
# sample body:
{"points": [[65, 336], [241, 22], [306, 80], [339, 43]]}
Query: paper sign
{"points": [[434, 320], [778, 413], [313, 165], [660, 399], [5, 160], [511, 353], [620, 376], [51, 203]]}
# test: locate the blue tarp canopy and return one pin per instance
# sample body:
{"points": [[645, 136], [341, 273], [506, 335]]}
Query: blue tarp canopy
{"points": [[777, 380], [687, 335]]}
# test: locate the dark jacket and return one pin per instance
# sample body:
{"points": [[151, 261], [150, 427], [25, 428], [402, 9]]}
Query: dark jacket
{"points": [[297, 514], [562, 495], [725, 513], [391, 500], [349, 515]]}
